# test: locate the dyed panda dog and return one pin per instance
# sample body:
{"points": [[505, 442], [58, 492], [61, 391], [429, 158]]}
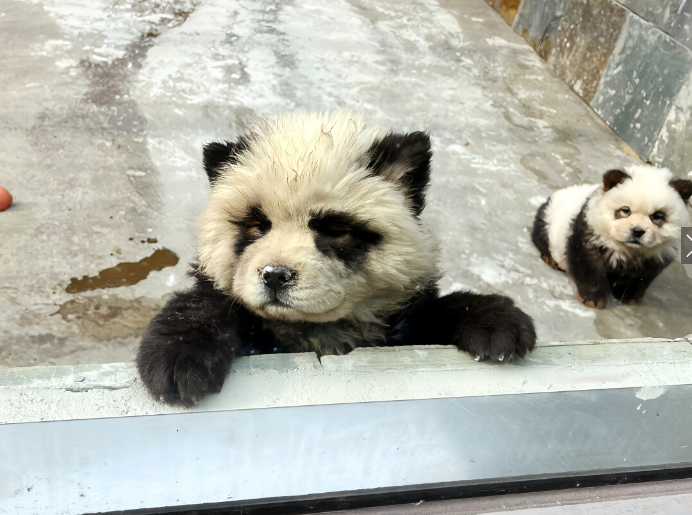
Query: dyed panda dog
{"points": [[311, 241], [615, 238]]}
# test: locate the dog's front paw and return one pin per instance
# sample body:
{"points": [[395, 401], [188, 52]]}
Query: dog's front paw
{"points": [[181, 369], [548, 260], [593, 301], [496, 329]]}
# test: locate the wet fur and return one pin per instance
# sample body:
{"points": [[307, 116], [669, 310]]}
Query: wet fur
{"points": [[590, 245], [336, 202]]}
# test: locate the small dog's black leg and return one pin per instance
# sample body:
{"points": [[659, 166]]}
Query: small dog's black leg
{"points": [[539, 236], [629, 287], [586, 265]]}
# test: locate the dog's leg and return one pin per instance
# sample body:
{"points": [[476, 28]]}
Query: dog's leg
{"points": [[188, 348], [586, 265], [539, 236], [489, 327], [629, 288]]}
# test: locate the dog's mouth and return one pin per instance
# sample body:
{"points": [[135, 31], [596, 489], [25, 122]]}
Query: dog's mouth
{"points": [[284, 306], [279, 310], [276, 302]]}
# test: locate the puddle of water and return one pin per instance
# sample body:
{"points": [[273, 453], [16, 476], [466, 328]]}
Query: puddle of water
{"points": [[124, 274]]}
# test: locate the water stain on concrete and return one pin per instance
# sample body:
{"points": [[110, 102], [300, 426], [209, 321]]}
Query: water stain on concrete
{"points": [[107, 317], [124, 274]]}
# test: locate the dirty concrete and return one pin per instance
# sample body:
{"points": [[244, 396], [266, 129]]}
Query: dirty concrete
{"points": [[104, 106]]}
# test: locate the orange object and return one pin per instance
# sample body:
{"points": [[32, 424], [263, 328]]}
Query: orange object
{"points": [[5, 199]]}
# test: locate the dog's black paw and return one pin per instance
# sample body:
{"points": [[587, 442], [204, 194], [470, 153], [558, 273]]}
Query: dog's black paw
{"points": [[188, 349], [181, 369], [493, 328]]}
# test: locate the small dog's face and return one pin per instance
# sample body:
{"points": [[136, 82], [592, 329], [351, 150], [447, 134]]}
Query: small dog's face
{"points": [[314, 218], [643, 209]]}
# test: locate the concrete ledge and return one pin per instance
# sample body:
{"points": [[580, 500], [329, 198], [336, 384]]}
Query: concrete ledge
{"points": [[365, 375]]}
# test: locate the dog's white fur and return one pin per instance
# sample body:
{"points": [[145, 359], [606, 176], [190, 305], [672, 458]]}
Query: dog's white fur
{"points": [[565, 205], [295, 165], [647, 192]]}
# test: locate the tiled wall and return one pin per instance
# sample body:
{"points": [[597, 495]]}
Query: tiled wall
{"points": [[630, 60]]}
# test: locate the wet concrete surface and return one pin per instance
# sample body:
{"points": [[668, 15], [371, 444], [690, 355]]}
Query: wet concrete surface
{"points": [[104, 106]]}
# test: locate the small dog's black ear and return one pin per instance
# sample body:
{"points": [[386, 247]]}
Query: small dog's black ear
{"points": [[683, 187], [218, 154], [612, 178], [405, 160]]}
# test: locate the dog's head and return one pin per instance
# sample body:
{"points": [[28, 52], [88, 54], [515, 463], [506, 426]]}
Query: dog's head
{"points": [[314, 217], [642, 208]]}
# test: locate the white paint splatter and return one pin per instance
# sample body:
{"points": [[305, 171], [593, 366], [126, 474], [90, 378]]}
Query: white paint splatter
{"points": [[490, 272], [648, 393]]}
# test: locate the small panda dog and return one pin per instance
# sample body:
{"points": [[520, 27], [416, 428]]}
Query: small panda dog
{"points": [[311, 241], [616, 238]]}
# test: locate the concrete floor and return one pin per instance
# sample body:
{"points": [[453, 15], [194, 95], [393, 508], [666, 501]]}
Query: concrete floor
{"points": [[104, 106]]}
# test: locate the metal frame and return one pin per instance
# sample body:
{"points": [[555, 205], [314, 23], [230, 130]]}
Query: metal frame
{"points": [[337, 501]]}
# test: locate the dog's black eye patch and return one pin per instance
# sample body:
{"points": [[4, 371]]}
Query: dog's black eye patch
{"points": [[343, 236], [252, 227]]}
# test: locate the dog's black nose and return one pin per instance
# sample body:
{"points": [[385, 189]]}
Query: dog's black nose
{"points": [[277, 277], [637, 232]]}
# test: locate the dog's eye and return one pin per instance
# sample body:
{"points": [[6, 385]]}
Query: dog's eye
{"points": [[248, 223], [658, 217], [255, 221], [623, 212], [335, 230], [252, 226]]}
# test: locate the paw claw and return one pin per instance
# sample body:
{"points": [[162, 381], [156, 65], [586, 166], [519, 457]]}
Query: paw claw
{"points": [[478, 358], [601, 304]]}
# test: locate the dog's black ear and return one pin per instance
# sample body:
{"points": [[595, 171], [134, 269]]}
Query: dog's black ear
{"points": [[683, 187], [219, 154], [405, 160], [612, 178]]}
